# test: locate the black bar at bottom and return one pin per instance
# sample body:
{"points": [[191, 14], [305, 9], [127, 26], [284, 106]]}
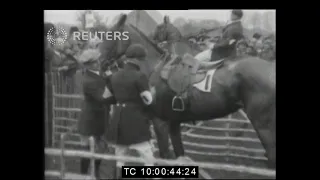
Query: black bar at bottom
{"points": [[160, 171]]}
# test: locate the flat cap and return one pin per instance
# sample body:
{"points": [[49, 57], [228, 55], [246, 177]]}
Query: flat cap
{"points": [[136, 51]]}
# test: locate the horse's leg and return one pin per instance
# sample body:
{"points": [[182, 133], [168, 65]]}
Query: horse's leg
{"points": [[175, 135], [162, 136], [264, 122]]}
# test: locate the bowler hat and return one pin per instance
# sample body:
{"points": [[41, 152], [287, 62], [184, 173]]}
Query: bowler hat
{"points": [[136, 51], [237, 12]]}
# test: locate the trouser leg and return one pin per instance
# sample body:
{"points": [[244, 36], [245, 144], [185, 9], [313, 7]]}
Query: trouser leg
{"points": [[84, 162], [119, 151]]}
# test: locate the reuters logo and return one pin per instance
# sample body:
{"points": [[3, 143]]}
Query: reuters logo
{"points": [[57, 36]]}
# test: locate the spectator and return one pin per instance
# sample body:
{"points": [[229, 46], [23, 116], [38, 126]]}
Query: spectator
{"points": [[241, 47], [256, 42], [268, 51]]}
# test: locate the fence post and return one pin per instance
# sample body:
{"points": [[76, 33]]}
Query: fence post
{"points": [[47, 134], [228, 135], [92, 160], [52, 118], [62, 165]]}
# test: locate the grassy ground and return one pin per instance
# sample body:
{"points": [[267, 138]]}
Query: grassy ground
{"points": [[107, 167]]}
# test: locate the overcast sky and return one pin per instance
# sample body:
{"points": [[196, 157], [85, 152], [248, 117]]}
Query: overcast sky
{"points": [[69, 16]]}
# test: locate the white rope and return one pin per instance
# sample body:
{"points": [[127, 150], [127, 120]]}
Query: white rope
{"points": [[253, 150], [219, 166], [218, 129], [222, 154], [222, 138]]}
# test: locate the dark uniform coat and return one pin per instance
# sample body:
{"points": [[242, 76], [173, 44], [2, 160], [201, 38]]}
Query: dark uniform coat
{"points": [[95, 109], [222, 48], [130, 122]]}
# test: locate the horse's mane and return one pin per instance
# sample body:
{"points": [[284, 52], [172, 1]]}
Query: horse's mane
{"points": [[159, 50]]}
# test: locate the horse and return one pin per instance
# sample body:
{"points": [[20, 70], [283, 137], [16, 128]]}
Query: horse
{"points": [[247, 83], [168, 33]]}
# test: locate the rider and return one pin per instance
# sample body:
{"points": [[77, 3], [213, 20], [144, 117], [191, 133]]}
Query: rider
{"points": [[166, 33], [130, 126], [232, 32]]}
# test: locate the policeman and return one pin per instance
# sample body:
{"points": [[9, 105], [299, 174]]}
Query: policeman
{"points": [[95, 107], [231, 33], [130, 126]]}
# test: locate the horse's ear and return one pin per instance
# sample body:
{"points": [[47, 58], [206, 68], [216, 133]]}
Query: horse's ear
{"points": [[122, 20]]}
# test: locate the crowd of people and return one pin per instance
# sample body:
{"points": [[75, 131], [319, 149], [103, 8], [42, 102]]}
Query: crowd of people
{"points": [[258, 46]]}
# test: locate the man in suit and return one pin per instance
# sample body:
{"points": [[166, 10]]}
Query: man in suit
{"points": [[95, 108], [130, 123], [231, 33]]}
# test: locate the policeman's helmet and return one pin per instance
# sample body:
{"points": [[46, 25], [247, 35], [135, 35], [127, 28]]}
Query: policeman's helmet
{"points": [[136, 51], [237, 12], [135, 54]]}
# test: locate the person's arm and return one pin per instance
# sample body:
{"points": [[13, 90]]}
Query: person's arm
{"points": [[143, 87], [234, 33], [101, 95]]}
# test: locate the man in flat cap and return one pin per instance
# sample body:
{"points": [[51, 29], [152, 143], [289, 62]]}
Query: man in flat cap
{"points": [[130, 122], [95, 108], [231, 33]]}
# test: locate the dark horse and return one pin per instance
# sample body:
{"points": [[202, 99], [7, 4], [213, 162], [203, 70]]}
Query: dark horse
{"points": [[247, 83]]}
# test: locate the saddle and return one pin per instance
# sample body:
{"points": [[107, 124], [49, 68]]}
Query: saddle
{"points": [[181, 73]]}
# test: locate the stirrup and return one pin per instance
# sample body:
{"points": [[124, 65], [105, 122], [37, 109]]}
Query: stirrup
{"points": [[173, 102]]}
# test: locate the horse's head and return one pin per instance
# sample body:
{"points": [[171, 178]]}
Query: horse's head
{"points": [[114, 50]]}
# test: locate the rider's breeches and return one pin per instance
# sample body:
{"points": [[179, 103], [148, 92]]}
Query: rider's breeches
{"points": [[144, 149]]}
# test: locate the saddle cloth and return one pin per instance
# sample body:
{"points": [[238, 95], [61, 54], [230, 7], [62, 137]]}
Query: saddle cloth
{"points": [[205, 85], [180, 76]]}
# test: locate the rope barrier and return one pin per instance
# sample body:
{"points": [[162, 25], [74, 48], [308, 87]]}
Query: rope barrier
{"points": [[216, 166], [222, 138], [219, 129]]}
